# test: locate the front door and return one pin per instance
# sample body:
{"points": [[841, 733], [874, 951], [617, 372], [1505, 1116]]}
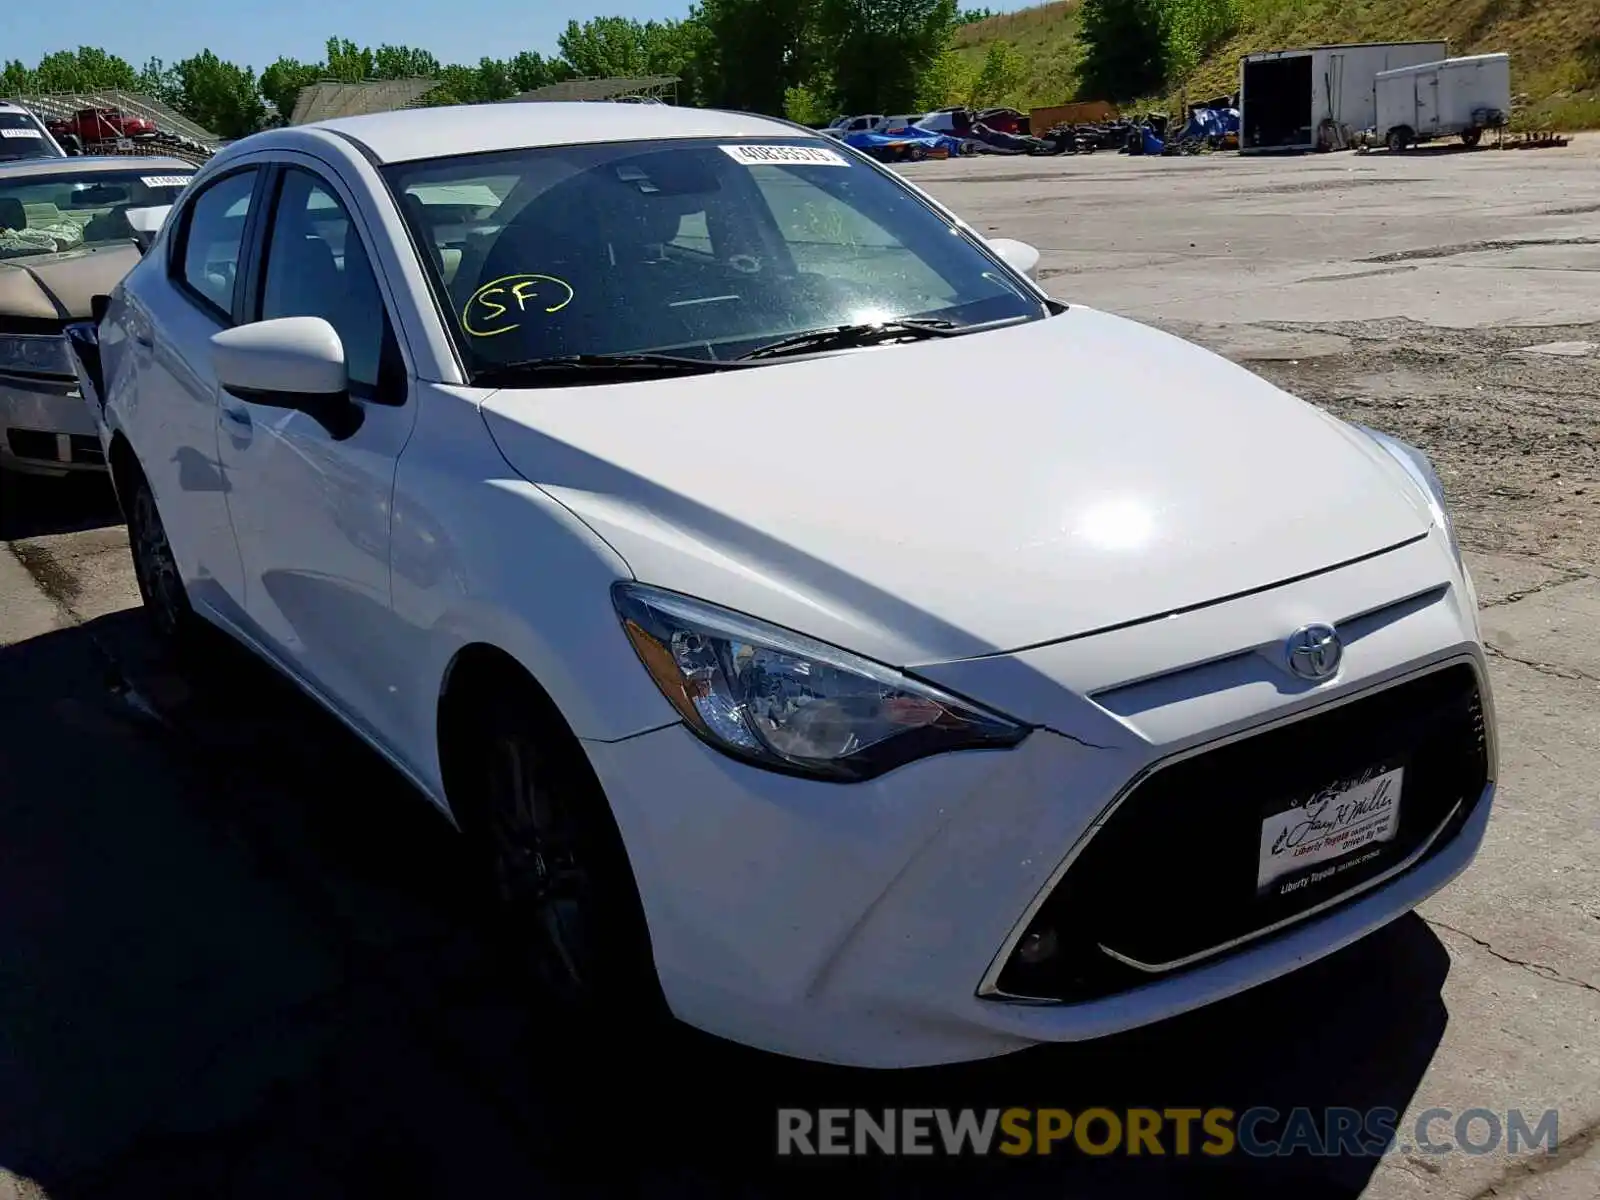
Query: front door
{"points": [[311, 508]]}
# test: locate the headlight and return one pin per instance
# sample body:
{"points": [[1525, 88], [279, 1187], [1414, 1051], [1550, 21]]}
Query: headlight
{"points": [[1416, 465], [35, 354], [783, 701]]}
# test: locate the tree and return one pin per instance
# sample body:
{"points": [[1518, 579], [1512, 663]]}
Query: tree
{"points": [[1194, 28], [879, 50], [948, 80], [1124, 49], [1004, 71], [282, 83], [350, 63], [157, 81], [755, 51], [404, 62], [218, 95]]}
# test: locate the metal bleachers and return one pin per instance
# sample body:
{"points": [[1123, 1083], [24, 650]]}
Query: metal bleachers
{"points": [[58, 106], [331, 98]]}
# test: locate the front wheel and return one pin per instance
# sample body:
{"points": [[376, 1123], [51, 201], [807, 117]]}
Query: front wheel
{"points": [[557, 869]]}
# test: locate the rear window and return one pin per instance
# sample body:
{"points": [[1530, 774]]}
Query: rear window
{"points": [[60, 210]]}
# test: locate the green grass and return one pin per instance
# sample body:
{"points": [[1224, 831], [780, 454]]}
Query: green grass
{"points": [[1047, 39], [1554, 46]]}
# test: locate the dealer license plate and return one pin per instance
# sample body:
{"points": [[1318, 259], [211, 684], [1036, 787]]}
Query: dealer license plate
{"points": [[1342, 826]]}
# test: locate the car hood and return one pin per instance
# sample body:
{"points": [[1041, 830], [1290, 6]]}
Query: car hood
{"points": [[944, 499], [58, 287]]}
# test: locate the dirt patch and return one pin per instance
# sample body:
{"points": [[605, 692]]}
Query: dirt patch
{"points": [[1515, 437]]}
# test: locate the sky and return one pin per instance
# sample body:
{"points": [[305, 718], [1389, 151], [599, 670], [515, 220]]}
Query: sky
{"points": [[257, 32]]}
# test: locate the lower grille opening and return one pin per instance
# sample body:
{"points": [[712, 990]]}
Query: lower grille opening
{"points": [[36, 444], [31, 443], [1175, 874]]}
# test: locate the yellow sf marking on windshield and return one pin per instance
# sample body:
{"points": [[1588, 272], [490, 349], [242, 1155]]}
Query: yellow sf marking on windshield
{"points": [[521, 288]]}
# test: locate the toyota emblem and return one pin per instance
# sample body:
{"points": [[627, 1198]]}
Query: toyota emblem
{"points": [[1314, 652]]}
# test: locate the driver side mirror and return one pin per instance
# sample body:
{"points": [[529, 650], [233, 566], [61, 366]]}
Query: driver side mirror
{"points": [[1018, 255], [294, 363]]}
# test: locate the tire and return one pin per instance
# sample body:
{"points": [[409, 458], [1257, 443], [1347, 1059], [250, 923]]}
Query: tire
{"points": [[166, 601], [1398, 140], [917, 153], [1471, 137], [554, 867]]}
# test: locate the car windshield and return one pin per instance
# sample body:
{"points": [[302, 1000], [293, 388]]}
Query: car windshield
{"points": [[64, 210], [702, 249], [21, 137]]}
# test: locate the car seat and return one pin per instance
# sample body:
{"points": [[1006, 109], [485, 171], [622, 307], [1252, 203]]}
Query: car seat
{"points": [[110, 226], [12, 214]]}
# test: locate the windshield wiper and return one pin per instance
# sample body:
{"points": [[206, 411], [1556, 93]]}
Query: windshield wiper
{"points": [[594, 368], [848, 337]]}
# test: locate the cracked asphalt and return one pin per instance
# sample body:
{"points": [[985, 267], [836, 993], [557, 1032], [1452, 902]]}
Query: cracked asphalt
{"points": [[238, 958]]}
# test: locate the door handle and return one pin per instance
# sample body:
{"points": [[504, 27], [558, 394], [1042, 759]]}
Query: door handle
{"points": [[237, 417], [145, 340]]}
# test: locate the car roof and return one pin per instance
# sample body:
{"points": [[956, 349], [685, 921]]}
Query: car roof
{"points": [[417, 133], [88, 164]]}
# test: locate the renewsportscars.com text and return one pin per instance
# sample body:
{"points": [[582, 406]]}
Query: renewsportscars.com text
{"points": [[1150, 1132]]}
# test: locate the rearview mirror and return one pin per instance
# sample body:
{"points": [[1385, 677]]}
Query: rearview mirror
{"points": [[290, 362], [1018, 255]]}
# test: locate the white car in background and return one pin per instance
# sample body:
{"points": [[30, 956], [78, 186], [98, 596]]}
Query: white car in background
{"points": [[23, 135], [1056, 677]]}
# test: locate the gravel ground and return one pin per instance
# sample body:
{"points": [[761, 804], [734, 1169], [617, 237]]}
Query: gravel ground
{"points": [[1514, 432]]}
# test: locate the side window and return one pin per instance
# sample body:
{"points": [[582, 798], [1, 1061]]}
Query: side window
{"points": [[318, 267], [213, 240]]}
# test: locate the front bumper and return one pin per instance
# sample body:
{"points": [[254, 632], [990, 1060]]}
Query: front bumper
{"points": [[46, 428], [868, 924]]}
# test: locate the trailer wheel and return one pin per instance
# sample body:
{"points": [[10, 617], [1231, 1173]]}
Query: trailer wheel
{"points": [[1399, 138], [1471, 137]]}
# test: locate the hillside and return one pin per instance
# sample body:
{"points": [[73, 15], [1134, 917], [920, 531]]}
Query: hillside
{"points": [[1554, 45]]}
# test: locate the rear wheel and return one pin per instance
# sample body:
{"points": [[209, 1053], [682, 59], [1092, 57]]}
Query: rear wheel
{"points": [[1471, 137], [1398, 140]]}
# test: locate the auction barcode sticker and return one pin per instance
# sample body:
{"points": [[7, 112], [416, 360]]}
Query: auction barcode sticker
{"points": [[30, 133], [784, 156], [165, 180]]}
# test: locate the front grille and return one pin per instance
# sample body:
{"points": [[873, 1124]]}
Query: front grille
{"points": [[1171, 877]]}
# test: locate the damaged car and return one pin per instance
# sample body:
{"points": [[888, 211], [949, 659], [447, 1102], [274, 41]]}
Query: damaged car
{"points": [[67, 233]]}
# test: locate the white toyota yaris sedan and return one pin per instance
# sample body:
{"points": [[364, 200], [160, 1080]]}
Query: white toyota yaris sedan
{"points": [[822, 634]]}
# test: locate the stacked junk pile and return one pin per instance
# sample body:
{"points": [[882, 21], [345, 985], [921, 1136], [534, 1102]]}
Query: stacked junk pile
{"points": [[1084, 128]]}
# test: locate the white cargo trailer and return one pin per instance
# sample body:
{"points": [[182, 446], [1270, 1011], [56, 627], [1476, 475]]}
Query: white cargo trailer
{"points": [[1458, 96], [1316, 97]]}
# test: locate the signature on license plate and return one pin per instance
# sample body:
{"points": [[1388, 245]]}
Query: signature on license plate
{"points": [[1348, 822]]}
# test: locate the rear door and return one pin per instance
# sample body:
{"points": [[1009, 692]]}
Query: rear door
{"points": [[167, 402]]}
